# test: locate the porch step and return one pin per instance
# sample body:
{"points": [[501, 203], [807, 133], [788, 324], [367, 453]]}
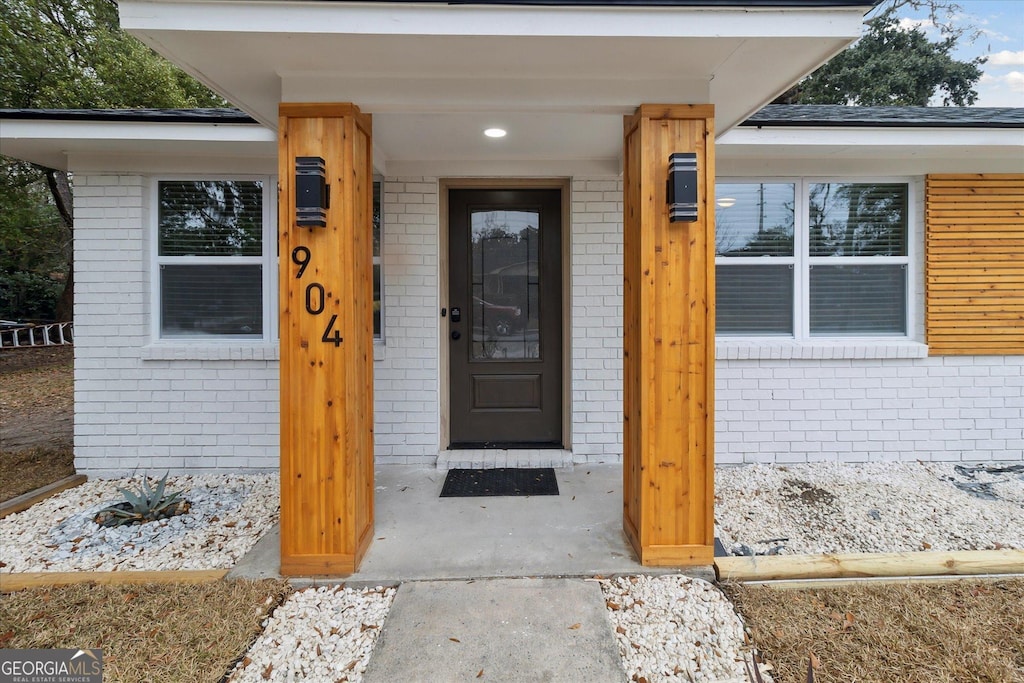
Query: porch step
{"points": [[492, 458], [509, 630]]}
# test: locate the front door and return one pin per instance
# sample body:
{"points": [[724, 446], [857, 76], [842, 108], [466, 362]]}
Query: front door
{"points": [[505, 318]]}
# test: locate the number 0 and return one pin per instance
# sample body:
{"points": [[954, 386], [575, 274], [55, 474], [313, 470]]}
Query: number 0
{"points": [[319, 308]]}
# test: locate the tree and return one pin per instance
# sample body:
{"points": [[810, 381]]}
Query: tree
{"points": [[72, 54], [34, 245], [893, 65]]}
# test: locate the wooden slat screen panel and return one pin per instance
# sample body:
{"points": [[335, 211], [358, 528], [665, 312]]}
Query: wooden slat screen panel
{"points": [[974, 251]]}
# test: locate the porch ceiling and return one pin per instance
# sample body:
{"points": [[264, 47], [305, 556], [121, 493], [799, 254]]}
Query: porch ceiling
{"points": [[558, 78]]}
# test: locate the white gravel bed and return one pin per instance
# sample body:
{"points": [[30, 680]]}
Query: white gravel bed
{"points": [[675, 628], [228, 514], [317, 634], [872, 507]]}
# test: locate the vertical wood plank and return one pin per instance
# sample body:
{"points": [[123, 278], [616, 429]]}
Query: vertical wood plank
{"points": [[326, 346], [668, 342]]}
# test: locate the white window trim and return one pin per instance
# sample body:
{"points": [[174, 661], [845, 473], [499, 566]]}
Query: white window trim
{"points": [[264, 347], [802, 344], [378, 260]]}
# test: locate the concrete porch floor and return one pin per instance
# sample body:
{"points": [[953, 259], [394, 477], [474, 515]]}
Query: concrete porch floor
{"points": [[420, 536]]}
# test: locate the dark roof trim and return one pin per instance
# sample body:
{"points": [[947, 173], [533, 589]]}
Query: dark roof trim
{"points": [[773, 115], [837, 116], [132, 115]]}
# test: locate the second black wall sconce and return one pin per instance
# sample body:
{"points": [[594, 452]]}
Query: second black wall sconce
{"points": [[682, 187]]}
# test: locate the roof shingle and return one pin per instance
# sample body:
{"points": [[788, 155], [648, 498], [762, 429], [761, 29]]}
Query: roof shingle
{"points": [[807, 115], [833, 115]]}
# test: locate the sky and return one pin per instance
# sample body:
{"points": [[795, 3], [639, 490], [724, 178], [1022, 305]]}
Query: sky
{"points": [[1000, 28]]}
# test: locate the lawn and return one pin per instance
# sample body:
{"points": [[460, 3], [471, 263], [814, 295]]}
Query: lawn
{"points": [[166, 633], [961, 630], [36, 409]]}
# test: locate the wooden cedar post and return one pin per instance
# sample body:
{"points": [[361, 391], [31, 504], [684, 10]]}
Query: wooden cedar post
{"points": [[326, 345], [669, 342]]}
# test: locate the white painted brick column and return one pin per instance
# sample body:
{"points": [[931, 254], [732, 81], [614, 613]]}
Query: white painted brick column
{"points": [[406, 374], [597, 310]]}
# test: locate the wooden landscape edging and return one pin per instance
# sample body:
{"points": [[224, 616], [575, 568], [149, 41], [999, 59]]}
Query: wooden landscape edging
{"points": [[811, 584], [27, 500], [20, 581], [857, 565]]}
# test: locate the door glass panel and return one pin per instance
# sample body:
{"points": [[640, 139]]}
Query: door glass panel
{"points": [[505, 282]]}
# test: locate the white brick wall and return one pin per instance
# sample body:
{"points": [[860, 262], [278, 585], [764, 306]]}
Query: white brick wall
{"points": [[152, 408], [134, 411], [406, 374], [941, 408], [596, 323]]}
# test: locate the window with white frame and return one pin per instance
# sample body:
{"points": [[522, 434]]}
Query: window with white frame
{"points": [[378, 300], [808, 258], [212, 260]]}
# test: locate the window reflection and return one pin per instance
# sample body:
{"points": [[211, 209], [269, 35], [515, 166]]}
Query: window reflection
{"points": [[505, 282]]}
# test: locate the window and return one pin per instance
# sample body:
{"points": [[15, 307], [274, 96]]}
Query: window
{"points": [[810, 259], [212, 263], [378, 301]]}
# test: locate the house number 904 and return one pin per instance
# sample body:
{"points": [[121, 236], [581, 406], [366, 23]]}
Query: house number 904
{"points": [[316, 297]]}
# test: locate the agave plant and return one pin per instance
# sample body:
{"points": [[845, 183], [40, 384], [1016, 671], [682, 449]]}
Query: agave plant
{"points": [[148, 504]]}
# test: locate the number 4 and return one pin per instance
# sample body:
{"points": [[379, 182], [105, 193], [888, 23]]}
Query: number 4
{"points": [[328, 338]]}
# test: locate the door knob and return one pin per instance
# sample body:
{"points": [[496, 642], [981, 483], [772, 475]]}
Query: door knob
{"points": [[456, 335]]}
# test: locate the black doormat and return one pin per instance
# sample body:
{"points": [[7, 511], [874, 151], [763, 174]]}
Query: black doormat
{"points": [[503, 481]]}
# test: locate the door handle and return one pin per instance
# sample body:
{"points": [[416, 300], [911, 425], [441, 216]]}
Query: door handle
{"points": [[456, 335]]}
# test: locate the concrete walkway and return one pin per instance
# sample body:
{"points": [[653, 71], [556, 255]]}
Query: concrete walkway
{"points": [[513, 630]]}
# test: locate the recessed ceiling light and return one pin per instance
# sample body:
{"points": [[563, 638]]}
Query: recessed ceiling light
{"points": [[495, 132], [726, 202]]}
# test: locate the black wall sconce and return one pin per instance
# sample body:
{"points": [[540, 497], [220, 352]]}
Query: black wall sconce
{"points": [[682, 187], [312, 193]]}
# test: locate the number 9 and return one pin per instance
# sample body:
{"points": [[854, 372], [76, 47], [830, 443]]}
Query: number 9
{"points": [[300, 257]]}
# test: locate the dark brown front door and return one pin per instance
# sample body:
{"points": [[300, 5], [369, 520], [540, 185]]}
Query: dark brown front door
{"points": [[505, 320]]}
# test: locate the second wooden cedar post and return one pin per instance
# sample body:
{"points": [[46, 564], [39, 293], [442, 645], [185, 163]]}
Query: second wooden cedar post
{"points": [[326, 345], [669, 342]]}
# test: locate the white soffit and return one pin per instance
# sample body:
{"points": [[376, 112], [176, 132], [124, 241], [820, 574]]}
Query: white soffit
{"points": [[578, 68], [793, 142], [142, 146]]}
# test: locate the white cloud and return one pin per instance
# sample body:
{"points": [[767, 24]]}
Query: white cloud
{"points": [[1014, 79], [908, 24], [1001, 91], [995, 35], [1006, 58]]}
